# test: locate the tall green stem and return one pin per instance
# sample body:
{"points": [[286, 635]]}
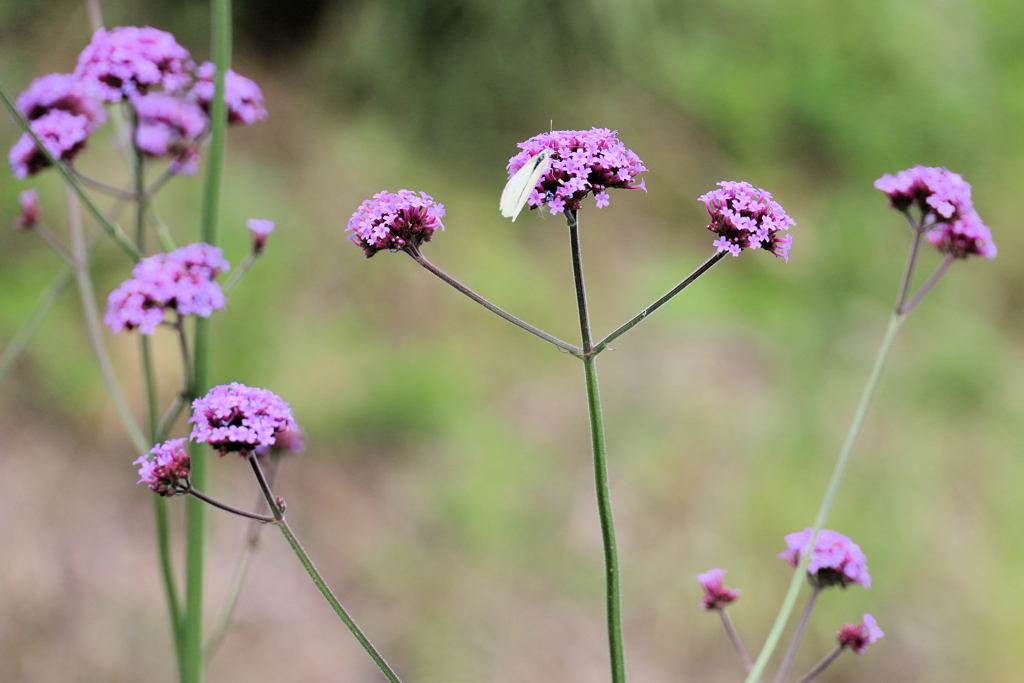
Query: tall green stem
{"points": [[604, 502], [895, 322], [195, 509]]}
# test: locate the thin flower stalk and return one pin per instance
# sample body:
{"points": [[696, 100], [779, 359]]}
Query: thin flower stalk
{"points": [[820, 667], [734, 638], [798, 634], [604, 504], [230, 508]]}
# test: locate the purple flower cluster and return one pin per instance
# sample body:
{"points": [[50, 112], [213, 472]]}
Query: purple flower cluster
{"points": [[243, 97], [183, 280], [29, 216], [944, 200], [582, 161], [745, 217], [858, 636], [716, 595], [237, 418], [166, 468], [127, 61], [835, 560], [259, 229], [148, 69], [395, 221]]}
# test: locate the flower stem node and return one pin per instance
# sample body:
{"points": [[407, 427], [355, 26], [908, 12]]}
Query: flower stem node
{"points": [[281, 505]]}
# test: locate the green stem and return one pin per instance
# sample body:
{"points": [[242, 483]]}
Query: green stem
{"points": [[112, 229], [825, 663], [895, 322], [35, 319], [604, 503], [798, 635], [239, 272], [642, 315], [92, 322], [195, 510], [163, 535]]}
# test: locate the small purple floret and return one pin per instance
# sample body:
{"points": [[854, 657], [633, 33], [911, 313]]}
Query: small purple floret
{"points": [[64, 135], [237, 418], [166, 468], [716, 595], [835, 560], [395, 221], [59, 91], [243, 97], [259, 229], [183, 281], [858, 636], [29, 203], [745, 217], [944, 200], [128, 61], [582, 161], [169, 126]]}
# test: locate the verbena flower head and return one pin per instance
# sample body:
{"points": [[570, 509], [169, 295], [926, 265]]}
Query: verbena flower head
{"points": [[128, 61], [259, 228], [745, 217], [947, 211], [243, 97], [64, 135], [835, 560], [166, 469], [237, 418], [582, 161], [59, 91], [169, 126], [395, 221], [716, 595], [29, 203], [182, 281], [858, 636]]}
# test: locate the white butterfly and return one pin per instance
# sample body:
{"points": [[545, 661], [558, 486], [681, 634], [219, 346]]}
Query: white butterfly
{"points": [[519, 187]]}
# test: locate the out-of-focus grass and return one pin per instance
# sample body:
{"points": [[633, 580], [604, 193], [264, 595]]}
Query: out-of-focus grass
{"points": [[447, 485]]}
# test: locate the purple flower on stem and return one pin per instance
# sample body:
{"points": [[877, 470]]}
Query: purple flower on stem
{"points": [[582, 161], [182, 280], [166, 468], [858, 636], [29, 202], [237, 418], [128, 61], [64, 135], [259, 228], [395, 221], [169, 125], [835, 560], [716, 595], [745, 217], [243, 97], [944, 200], [59, 91]]}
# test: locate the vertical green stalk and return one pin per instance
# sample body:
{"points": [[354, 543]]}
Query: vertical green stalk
{"points": [[604, 502], [895, 322], [195, 509]]}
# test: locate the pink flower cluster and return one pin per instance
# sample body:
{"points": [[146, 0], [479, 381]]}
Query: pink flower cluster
{"points": [[582, 161], [858, 636], [835, 560], [716, 595], [395, 221], [745, 217], [148, 69], [944, 200], [183, 281], [166, 469], [237, 418]]}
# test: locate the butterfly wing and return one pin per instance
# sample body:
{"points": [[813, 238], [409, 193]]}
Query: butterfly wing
{"points": [[519, 186]]}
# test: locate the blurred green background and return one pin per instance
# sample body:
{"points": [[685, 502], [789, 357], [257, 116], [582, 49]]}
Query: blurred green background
{"points": [[446, 491]]}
